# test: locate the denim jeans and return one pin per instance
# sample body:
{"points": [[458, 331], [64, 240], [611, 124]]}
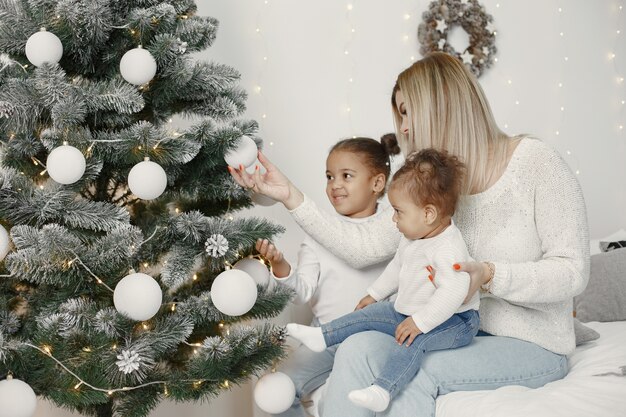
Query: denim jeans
{"points": [[489, 362], [405, 361], [308, 370]]}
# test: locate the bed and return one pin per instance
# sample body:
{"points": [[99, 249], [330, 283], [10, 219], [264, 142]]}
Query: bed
{"points": [[594, 387], [596, 383]]}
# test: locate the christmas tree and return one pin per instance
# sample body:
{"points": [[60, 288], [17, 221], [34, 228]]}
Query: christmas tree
{"points": [[117, 232]]}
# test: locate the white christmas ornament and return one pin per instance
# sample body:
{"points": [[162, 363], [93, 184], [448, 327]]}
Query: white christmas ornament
{"points": [[138, 296], [17, 398], [5, 242], [258, 271], [43, 47], [138, 66], [216, 245], [233, 292], [244, 154], [66, 164], [147, 180], [274, 393], [128, 361]]}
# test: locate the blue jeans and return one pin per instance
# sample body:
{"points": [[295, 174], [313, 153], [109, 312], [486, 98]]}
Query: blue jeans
{"points": [[308, 370], [489, 362], [405, 361]]}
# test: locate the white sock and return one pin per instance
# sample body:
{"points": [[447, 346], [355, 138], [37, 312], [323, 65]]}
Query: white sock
{"points": [[373, 397], [311, 337]]}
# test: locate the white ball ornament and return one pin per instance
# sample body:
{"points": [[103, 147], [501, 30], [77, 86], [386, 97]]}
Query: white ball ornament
{"points": [[17, 398], [244, 154], [66, 164], [138, 296], [43, 47], [5, 242], [147, 180], [138, 66], [233, 292], [274, 393], [258, 271]]}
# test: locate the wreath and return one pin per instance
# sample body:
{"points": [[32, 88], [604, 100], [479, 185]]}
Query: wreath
{"points": [[441, 15]]}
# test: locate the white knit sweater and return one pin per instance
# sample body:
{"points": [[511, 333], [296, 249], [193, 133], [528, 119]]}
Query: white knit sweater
{"points": [[330, 286], [430, 303], [531, 224]]}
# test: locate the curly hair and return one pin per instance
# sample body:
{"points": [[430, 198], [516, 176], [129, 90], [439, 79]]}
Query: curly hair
{"points": [[431, 177]]}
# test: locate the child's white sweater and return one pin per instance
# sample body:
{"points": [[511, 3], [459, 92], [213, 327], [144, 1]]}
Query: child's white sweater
{"points": [[429, 303], [330, 286]]}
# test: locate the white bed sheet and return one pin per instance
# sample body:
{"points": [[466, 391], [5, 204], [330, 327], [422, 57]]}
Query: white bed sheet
{"points": [[579, 394]]}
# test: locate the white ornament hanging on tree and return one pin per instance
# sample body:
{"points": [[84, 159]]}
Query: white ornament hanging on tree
{"points": [[257, 270], [43, 47], [138, 296], [233, 292], [147, 180], [138, 66], [17, 398], [274, 393], [5, 242], [66, 164], [244, 154], [216, 245]]}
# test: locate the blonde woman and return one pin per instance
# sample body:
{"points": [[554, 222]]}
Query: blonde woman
{"points": [[523, 218]]}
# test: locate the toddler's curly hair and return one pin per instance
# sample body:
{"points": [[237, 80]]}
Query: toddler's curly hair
{"points": [[431, 176]]}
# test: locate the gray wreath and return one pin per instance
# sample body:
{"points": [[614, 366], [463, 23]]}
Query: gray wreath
{"points": [[442, 15]]}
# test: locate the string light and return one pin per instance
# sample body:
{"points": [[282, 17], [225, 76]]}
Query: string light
{"points": [[351, 36], [264, 49]]}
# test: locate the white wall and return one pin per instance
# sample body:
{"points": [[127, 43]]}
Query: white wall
{"points": [[305, 92]]}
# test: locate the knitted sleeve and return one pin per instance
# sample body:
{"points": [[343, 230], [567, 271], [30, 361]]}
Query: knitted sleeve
{"points": [[388, 282], [305, 278], [561, 221], [359, 244]]}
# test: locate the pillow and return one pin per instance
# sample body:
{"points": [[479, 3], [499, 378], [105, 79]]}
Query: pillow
{"points": [[594, 244], [604, 299], [583, 333]]}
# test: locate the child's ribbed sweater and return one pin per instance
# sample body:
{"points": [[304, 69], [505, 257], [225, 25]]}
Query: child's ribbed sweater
{"points": [[429, 303]]}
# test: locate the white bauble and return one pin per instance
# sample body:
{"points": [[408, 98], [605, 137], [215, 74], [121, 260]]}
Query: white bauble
{"points": [[147, 180], [233, 292], [17, 399], [5, 242], [42, 47], [66, 164], [258, 271], [138, 66], [138, 296], [274, 393], [244, 154], [252, 168]]}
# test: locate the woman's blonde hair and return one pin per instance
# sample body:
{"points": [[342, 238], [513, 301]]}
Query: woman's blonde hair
{"points": [[449, 111]]}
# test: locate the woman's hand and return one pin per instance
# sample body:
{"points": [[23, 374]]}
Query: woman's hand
{"points": [[479, 275], [272, 183], [407, 329], [365, 301]]}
